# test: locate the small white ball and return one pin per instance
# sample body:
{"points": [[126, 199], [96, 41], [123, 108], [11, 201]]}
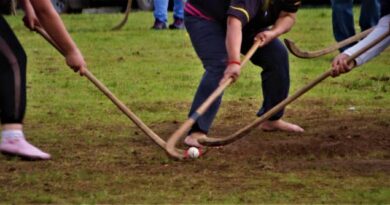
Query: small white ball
{"points": [[352, 108], [193, 152]]}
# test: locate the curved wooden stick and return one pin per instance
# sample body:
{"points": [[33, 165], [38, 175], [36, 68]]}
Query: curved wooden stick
{"points": [[313, 54], [124, 20], [244, 131], [136, 120], [172, 141]]}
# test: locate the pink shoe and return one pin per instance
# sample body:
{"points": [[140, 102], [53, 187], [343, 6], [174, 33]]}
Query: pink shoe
{"points": [[20, 147]]}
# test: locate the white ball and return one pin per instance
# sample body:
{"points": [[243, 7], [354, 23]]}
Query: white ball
{"points": [[193, 152]]}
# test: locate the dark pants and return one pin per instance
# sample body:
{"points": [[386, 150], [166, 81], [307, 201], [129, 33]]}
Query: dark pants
{"points": [[342, 16], [12, 76], [208, 39]]}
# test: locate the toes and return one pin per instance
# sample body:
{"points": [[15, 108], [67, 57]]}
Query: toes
{"points": [[296, 128]]}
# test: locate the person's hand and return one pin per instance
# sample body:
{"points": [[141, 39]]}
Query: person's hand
{"points": [[266, 36], [75, 60], [30, 19], [232, 71], [340, 65]]}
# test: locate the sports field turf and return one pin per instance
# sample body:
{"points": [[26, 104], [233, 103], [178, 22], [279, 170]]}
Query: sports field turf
{"points": [[99, 156]]}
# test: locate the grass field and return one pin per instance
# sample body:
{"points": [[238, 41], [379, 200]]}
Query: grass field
{"points": [[99, 156]]}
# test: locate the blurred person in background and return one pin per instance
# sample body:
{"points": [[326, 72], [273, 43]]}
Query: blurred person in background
{"points": [[343, 22], [161, 14]]}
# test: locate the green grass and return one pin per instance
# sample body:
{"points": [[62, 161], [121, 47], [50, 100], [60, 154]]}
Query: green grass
{"points": [[99, 157]]}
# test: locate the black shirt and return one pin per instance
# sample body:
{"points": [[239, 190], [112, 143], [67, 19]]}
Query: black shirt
{"points": [[261, 13]]}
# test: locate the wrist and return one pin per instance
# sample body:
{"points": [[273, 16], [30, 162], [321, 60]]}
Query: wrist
{"points": [[237, 62], [73, 52]]}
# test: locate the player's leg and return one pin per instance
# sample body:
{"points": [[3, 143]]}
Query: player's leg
{"points": [[13, 96], [208, 39], [160, 14], [273, 58], [370, 14], [178, 15], [342, 20]]}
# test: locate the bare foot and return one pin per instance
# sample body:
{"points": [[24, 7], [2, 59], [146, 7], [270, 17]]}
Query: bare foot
{"points": [[192, 139], [280, 125]]}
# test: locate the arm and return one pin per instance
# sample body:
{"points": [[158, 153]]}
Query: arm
{"points": [[52, 23], [30, 19], [233, 38], [233, 47], [282, 25], [340, 65]]}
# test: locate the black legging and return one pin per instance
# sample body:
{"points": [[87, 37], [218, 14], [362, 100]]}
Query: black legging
{"points": [[12, 76]]}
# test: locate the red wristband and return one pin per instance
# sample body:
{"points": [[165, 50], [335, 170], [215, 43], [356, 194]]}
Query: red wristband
{"points": [[234, 62]]}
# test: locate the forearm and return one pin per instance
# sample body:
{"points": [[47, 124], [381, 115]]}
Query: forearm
{"points": [[26, 5], [52, 23], [284, 23], [381, 28], [233, 38]]}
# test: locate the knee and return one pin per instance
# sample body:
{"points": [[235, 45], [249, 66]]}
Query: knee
{"points": [[282, 54], [275, 57], [18, 60], [211, 78]]}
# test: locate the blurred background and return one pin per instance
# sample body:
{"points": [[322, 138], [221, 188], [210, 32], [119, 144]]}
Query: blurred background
{"points": [[78, 6]]}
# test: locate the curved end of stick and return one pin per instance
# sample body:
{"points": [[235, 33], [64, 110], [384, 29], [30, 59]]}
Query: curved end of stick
{"points": [[119, 26], [124, 21], [222, 141], [214, 142], [171, 147], [175, 137], [291, 46], [174, 154]]}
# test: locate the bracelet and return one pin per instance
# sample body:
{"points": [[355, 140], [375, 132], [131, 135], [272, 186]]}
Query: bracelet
{"points": [[234, 62]]}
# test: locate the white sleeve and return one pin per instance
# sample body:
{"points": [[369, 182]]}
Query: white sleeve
{"points": [[381, 28]]}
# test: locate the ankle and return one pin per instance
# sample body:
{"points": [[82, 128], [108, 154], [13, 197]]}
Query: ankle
{"points": [[272, 122], [12, 126], [11, 134], [197, 134]]}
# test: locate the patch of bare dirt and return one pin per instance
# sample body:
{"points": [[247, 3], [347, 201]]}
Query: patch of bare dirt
{"points": [[344, 140]]}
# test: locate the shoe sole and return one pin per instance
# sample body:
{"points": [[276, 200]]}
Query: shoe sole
{"points": [[23, 157]]}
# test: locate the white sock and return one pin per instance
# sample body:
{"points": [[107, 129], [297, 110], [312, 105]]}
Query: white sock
{"points": [[8, 134]]}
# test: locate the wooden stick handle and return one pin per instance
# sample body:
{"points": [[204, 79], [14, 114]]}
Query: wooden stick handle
{"points": [[111, 96], [134, 118], [205, 106], [173, 140], [247, 129]]}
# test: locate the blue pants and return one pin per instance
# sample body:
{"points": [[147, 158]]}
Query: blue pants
{"points": [[342, 15], [161, 10], [208, 39]]}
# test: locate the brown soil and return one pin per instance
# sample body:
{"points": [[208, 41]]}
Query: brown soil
{"points": [[346, 140], [123, 161]]}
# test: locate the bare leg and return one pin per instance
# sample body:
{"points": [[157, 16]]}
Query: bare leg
{"points": [[12, 127]]}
